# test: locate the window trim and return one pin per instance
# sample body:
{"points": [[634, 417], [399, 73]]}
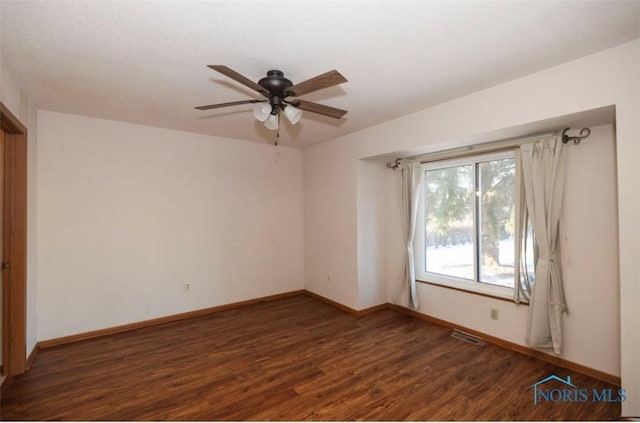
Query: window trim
{"points": [[472, 286], [469, 291]]}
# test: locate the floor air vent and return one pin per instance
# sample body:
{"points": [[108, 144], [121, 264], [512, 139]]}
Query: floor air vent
{"points": [[470, 339]]}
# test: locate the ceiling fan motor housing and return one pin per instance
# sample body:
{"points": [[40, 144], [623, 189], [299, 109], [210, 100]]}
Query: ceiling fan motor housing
{"points": [[276, 83]]}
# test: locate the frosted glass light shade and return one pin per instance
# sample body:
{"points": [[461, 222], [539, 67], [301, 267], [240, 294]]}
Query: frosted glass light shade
{"points": [[271, 122], [292, 114], [261, 111]]}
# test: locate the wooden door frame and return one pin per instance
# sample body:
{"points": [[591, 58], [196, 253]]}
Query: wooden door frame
{"points": [[14, 246]]}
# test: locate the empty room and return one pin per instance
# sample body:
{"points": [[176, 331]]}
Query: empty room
{"points": [[302, 210]]}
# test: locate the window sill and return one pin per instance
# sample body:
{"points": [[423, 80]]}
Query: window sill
{"points": [[471, 291]]}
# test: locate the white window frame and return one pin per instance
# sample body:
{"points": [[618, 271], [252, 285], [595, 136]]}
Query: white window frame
{"points": [[473, 286]]}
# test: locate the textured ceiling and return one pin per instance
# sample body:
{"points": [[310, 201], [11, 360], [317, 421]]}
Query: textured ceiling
{"points": [[145, 61]]}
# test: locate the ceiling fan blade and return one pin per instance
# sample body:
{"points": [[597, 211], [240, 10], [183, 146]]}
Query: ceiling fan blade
{"points": [[319, 82], [233, 103], [319, 108], [237, 77]]}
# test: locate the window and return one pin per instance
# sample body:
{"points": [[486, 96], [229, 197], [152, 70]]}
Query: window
{"points": [[466, 236]]}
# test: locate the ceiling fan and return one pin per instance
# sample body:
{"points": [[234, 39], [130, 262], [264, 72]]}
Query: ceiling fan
{"points": [[276, 88]]}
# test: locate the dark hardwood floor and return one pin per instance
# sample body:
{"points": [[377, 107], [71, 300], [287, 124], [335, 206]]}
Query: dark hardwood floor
{"points": [[290, 359]]}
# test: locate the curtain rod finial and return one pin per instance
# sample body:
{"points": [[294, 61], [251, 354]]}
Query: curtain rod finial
{"points": [[394, 166], [584, 133]]}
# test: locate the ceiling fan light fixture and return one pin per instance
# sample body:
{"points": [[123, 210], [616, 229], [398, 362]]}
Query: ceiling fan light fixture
{"points": [[292, 113], [261, 111], [271, 122]]}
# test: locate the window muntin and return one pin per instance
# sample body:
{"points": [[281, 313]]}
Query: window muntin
{"points": [[468, 210]]}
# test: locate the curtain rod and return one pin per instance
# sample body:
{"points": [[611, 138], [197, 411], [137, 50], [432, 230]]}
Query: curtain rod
{"points": [[491, 146]]}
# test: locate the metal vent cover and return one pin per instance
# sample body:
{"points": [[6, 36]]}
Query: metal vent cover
{"points": [[467, 337]]}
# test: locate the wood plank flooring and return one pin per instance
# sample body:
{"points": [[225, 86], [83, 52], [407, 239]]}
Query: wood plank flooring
{"points": [[290, 359]]}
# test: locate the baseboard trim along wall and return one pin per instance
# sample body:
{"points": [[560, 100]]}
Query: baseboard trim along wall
{"points": [[32, 356], [558, 361], [5, 381], [161, 320], [531, 352], [352, 311]]}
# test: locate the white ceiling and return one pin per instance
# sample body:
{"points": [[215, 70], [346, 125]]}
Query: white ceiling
{"points": [[145, 61]]}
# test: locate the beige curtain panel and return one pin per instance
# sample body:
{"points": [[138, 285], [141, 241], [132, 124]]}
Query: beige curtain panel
{"points": [[543, 173], [410, 181]]}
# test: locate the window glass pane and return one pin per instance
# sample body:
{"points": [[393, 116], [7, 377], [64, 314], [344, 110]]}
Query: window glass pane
{"points": [[529, 266], [449, 221], [496, 219]]}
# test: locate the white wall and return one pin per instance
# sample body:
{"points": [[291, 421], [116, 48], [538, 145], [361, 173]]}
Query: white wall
{"points": [[128, 214], [23, 107], [330, 226], [372, 220], [589, 249], [610, 77]]}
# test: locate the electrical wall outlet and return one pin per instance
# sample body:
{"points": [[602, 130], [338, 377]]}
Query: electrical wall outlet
{"points": [[187, 287], [329, 277], [494, 314]]}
